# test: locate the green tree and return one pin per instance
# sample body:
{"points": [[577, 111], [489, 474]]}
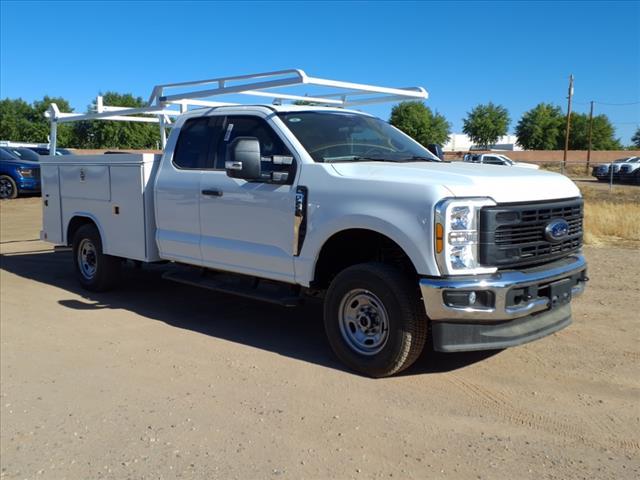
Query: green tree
{"points": [[485, 124], [636, 138], [303, 102], [109, 134], [23, 122], [419, 122], [540, 128], [43, 126], [602, 138], [14, 120]]}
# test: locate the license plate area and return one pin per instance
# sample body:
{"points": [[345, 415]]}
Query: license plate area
{"points": [[560, 293]]}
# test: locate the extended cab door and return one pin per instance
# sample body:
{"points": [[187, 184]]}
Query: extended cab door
{"points": [[177, 189], [248, 227]]}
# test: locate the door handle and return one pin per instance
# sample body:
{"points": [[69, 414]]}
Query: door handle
{"points": [[212, 193]]}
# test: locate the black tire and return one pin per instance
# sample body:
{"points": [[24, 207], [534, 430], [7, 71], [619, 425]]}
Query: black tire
{"points": [[8, 187], [406, 319], [105, 269]]}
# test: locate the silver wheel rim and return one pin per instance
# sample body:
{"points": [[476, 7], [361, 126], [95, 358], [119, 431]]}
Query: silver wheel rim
{"points": [[87, 259], [364, 323], [6, 189]]}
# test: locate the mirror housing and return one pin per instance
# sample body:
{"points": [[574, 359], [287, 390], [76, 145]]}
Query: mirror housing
{"points": [[436, 150], [244, 159]]}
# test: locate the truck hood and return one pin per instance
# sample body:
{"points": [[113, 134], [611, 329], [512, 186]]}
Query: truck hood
{"points": [[22, 163], [503, 184]]}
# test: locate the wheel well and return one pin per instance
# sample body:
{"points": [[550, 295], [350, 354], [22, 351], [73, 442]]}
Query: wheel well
{"points": [[354, 246], [74, 226]]}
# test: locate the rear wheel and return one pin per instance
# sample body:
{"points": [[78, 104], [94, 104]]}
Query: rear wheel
{"points": [[8, 187], [373, 319], [95, 270]]}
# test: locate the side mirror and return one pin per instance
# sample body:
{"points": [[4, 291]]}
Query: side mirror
{"points": [[436, 150], [244, 159]]}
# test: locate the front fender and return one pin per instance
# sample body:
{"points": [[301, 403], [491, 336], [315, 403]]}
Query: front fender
{"points": [[319, 233]]}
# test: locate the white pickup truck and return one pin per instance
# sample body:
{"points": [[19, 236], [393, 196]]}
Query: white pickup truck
{"points": [[496, 159], [276, 202]]}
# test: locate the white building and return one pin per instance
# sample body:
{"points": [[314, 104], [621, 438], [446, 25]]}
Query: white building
{"points": [[459, 142]]}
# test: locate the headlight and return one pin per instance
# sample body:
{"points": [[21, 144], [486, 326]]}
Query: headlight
{"points": [[26, 172], [457, 236]]}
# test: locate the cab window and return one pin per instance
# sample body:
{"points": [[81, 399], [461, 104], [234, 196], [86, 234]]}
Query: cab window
{"points": [[493, 161], [193, 149]]}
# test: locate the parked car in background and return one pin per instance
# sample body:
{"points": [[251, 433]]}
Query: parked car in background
{"points": [[630, 171], [45, 151], [17, 174], [496, 159], [603, 172], [23, 153]]}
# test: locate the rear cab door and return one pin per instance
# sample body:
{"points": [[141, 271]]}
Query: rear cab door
{"points": [[177, 189]]}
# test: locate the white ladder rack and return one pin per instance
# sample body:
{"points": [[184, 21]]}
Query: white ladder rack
{"points": [[173, 99]]}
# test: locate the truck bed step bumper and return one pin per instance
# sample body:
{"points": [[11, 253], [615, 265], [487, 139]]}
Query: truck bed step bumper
{"points": [[247, 287]]}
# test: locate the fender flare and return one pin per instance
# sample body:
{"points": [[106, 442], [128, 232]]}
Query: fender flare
{"points": [[95, 222], [372, 224]]}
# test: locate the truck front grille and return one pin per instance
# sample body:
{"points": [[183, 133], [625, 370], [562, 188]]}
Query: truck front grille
{"points": [[514, 235]]}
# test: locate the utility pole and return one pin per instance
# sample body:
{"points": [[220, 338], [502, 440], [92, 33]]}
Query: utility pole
{"points": [[566, 137], [590, 131]]}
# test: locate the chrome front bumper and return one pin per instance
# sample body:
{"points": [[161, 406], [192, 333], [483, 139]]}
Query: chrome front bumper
{"points": [[500, 284]]}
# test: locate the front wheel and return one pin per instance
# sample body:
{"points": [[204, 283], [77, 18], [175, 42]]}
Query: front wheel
{"points": [[8, 187], [373, 319], [95, 270]]}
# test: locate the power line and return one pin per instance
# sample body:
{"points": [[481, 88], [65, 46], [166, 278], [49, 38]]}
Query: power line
{"points": [[597, 102], [617, 104]]}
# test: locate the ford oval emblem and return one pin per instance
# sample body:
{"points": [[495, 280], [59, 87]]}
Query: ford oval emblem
{"points": [[556, 230]]}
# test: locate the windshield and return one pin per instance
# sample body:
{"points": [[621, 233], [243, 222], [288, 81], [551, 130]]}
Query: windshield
{"points": [[348, 137], [25, 154]]}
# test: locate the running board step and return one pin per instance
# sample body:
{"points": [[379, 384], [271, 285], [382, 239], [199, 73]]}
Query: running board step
{"points": [[248, 287]]}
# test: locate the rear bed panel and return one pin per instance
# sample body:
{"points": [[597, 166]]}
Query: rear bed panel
{"points": [[115, 191]]}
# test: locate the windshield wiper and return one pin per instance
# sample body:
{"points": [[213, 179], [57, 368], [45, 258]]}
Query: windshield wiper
{"points": [[418, 158], [357, 158]]}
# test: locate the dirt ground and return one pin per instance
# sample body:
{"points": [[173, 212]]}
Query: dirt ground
{"points": [[162, 381]]}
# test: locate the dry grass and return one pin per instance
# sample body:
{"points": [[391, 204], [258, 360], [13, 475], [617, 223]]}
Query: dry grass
{"points": [[607, 222], [619, 194], [571, 170], [611, 216]]}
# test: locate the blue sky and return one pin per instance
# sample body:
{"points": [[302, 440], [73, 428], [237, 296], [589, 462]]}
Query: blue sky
{"points": [[516, 54]]}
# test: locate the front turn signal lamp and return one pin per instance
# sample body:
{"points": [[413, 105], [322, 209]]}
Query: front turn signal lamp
{"points": [[439, 237]]}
